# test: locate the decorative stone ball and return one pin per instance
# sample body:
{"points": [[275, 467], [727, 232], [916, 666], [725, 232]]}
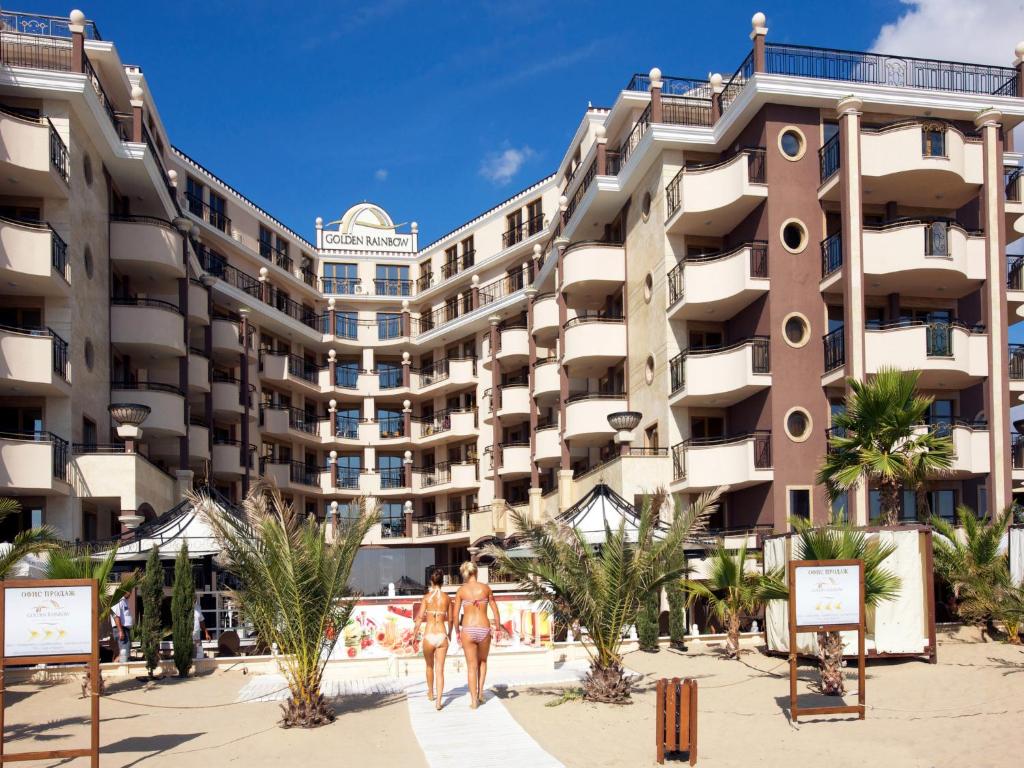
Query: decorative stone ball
{"points": [[758, 20]]}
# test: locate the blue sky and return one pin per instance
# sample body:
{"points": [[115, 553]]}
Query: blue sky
{"points": [[436, 110]]}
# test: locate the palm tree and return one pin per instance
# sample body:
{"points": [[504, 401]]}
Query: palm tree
{"points": [[731, 591], [293, 587], [30, 542], [601, 586], [878, 439], [836, 541], [971, 564]]}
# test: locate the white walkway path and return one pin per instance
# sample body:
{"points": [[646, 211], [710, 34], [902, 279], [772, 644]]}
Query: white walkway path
{"points": [[449, 737]]}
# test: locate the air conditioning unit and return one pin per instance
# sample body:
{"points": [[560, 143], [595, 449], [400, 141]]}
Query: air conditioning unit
{"points": [[359, 289]]}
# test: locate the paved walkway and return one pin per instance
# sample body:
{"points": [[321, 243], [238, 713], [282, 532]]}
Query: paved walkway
{"points": [[455, 737]]}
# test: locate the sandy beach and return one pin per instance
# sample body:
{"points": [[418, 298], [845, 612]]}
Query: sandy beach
{"points": [[964, 711]]}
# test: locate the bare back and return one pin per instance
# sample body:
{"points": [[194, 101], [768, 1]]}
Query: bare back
{"points": [[474, 598], [436, 607]]}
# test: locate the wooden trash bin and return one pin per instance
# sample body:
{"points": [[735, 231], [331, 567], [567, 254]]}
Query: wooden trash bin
{"points": [[675, 721]]}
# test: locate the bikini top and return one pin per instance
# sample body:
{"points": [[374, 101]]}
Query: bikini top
{"points": [[481, 601]]}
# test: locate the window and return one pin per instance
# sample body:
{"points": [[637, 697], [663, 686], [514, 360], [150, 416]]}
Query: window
{"points": [[389, 325], [346, 374], [794, 235], [468, 253], [796, 330], [513, 228], [645, 206], [982, 510], [704, 339], [798, 425], [194, 196], [907, 506], [339, 277], [266, 242], [218, 212], [451, 262], [390, 375], [515, 279], [392, 280], [800, 503], [933, 141], [88, 431], [392, 475], [451, 308], [392, 516], [940, 416], [349, 466], [707, 427], [841, 507], [534, 217], [943, 503], [792, 143], [346, 325]]}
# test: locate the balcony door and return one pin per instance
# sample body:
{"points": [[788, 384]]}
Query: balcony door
{"points": [[707, 428]]}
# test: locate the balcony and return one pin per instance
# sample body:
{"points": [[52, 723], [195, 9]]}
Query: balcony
{"points": [[547, 381], [515, 461], [720, 376], [198, 442], [586, 416], [549, 446], [33, 361], [227, 336], [907, 162], [449, 424], [592, 271], [738, 461], [33, 258], [924, 258], [1014, 186], [284, 421], [198, 304], [34, 462], [147, 327], [513, 345], [166, 403], [949, 355], [34, 156], [970, 446], [712, 199], [515, 403], [545, 319], [454, 523], [228, 403], [147, 246], [292, 368], [294, 475], [227, 459], [594, 343], [198, 372], [715, 286], [445, 374]]}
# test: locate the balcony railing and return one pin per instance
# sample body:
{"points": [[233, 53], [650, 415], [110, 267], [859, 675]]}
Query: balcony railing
{"points": [[893, 71], [831, 254], [43, 25], [437, 474], [60, 452], [522, 231], [340, 285], [1017, 362], [672, 86], [631, 142], [60, 346], [392, 477], [307, 370], [452, 267], [755, 174], [387, 287], [762, 439], [275, 255], [835, 349], [1017, 450], [758, 265], [443, 523], [829, 158], [1015, 273], [391, 426], [35, 51], [1012, 183], [760, 361], [298, 419], [939, 335], [212, 216]]}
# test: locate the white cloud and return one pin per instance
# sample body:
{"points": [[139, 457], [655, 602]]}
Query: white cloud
{"points": [[381, 174], [975, 31], [501, 166]]}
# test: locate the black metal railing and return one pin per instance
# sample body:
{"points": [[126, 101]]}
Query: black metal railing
{"points": [[138, 301], [1012, 184], [59, 157], [60, 450], [686, 110], [18, 50], [835, 349], [147, 386], [829, 159], [442, 523], [59, 347], [438, 474], [522, 231], [938, 334], [340, 285], [307, 370], [894, 71], [675, 86], [203, 210], [831, 254], [1015, 272], [396, 287], [1017, 450], [392, 477], [44, 26], [1016, 368], [391, 426]]}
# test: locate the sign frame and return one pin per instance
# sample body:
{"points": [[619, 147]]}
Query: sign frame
{"points": [[795, 711], [91, 659]]}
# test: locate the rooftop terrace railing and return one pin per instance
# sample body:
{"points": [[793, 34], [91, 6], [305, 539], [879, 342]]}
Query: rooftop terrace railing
{"points": [[43, 25]]}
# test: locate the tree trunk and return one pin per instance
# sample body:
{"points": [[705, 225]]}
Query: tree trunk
{"points": [[830, 658], [924, 509], [606, 684], [306, 707], [733, 631], [889, 499]]}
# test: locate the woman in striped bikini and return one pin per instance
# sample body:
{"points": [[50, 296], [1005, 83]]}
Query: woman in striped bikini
{"points": [[435, 613], [472, 599]]}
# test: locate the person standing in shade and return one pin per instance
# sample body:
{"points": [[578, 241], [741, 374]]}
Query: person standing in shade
{"points": [[121, 621], [199, 631]]}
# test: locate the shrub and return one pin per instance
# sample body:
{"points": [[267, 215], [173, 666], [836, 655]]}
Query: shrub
{"points": [[183, 600], [150, 630], [676, 613], [647, 621]]}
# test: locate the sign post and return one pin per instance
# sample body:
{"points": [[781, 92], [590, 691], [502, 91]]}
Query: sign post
{"points": [[51, 621], [826, 596]]}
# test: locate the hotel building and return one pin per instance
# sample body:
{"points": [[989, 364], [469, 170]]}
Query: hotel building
{"points": [[715, 255]]}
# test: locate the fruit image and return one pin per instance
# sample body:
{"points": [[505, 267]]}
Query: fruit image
{"points": [[352, 653]]}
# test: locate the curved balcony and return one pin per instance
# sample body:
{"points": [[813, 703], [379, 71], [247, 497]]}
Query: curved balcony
{"points": [[593, 344], [227, 398], [515, 403], [549, 446], [283, 368], [715, 286], [513, 346], [294, 475], [948, 355], [198, 372], [33, 361], [35, 463], [591, 272], [198, 304], [227, 336], [445, 374], [970, 446], [442, 426], [711, 199], [924, 258], [546, 381], [166, 403], [147, 327], [36, 157], [33, 258], [586, 416], [720, 376], [198, 443], [146, 245], [904, 162], [227, 459], [545, 319], [515, 460], [737, 461]]}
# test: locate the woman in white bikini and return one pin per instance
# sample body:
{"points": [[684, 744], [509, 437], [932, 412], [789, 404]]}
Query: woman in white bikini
{"points": [[473, 599], [435, 613]]}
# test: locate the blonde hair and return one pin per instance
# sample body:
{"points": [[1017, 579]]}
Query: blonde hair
{"points": [[467, 569]]}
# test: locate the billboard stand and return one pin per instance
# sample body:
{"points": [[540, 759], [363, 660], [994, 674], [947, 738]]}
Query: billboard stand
{"points": [[826, 596], [51, 621]]}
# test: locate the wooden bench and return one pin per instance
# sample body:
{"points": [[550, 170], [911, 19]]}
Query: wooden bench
{"points": [[675, 722]]}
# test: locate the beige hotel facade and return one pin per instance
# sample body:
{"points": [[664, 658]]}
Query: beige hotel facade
{"points": [[716, 255]]}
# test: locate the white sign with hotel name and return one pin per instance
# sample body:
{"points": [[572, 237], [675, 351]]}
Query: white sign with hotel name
{"points": [[827, 594], [48, 621], [367, 241]]}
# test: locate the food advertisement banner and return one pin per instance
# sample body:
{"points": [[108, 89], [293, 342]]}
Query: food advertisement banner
{"points": [[48, 621], [384, 629]]}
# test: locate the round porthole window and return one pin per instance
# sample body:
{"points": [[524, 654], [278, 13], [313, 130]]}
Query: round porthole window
{"points": [[87, 169], [648, 288], [90, 354], [87, 261], [795, 329], [792, 143], [798, 424], [645, 206], [794, 235], [649, 369]]}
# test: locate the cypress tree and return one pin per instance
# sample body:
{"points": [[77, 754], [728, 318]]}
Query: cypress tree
{"points": [[183, 600], [647, 621], [150, 629], [676, 616]]}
